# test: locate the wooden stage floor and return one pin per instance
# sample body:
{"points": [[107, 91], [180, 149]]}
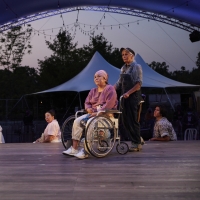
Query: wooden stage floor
{"points": [[161, 171]]}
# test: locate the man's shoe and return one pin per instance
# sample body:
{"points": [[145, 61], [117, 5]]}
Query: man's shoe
{"points": [[135, 147], [81, 154], [71, 151]]}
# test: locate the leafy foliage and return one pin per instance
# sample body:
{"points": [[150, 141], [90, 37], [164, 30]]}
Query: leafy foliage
{"points": [[14, 45]]}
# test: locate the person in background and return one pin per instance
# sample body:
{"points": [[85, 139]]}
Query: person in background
{"points": [[102, 97], [52, 131], [129, 83], [28, 126], [163, 129], [1, 136], [28, 118], [149, 119], [178, 121]]}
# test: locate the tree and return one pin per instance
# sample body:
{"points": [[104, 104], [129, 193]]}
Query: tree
{"points": [[14, 45], [19, 81], [63, 64], [99, 43], [161, 68]]}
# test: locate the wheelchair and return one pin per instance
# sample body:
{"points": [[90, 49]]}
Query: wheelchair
{"points": [[94, 142]]}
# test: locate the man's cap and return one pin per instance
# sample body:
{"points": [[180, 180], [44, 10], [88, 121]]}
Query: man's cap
{"points": [[127, 49]]}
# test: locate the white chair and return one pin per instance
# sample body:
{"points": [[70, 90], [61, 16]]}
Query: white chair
{"points": [[190, 134]]}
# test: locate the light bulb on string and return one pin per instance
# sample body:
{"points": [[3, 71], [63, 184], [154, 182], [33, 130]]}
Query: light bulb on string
{"points": [[128, 24], [137, 22], [111, 27], [104, 16], [119, 26]]}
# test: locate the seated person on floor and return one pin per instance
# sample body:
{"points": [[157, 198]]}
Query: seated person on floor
{"points": [[103, 97], [52, 131], [163, 129]]}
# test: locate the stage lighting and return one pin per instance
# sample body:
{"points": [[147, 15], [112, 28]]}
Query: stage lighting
{"points": [[195, 36]]}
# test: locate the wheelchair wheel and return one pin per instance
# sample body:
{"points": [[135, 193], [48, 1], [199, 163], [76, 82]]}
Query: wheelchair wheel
{"points": [[99, 145], [122, 148], [66, 131], [103, 146]]}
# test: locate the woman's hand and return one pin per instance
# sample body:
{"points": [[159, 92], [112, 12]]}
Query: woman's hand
{"points": [[89, 110], [93, 114]]}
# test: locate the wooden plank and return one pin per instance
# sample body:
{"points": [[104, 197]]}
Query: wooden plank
{"points": [[162, 170]]}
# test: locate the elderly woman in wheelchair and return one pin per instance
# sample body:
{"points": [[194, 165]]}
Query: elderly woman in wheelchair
{"points": [[96, 123]]}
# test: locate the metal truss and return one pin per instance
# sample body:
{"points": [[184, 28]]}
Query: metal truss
{"points": [[126, 11]]}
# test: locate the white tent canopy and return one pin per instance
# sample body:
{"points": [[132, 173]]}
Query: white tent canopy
{"points": [[84, 80]]}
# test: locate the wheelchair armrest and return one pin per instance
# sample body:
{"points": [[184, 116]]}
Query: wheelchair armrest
{"points": [[109, 111], [80, 111]]}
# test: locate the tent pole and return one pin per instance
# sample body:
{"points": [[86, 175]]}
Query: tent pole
{"points": [[69, 106], [169, 99], [7, 114]]}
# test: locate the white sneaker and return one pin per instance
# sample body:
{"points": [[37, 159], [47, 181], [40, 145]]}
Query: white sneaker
{"points": [[81, 154], [71, 151]]}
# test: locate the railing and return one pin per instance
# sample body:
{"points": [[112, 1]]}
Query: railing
{"points": [[17, 132]]}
